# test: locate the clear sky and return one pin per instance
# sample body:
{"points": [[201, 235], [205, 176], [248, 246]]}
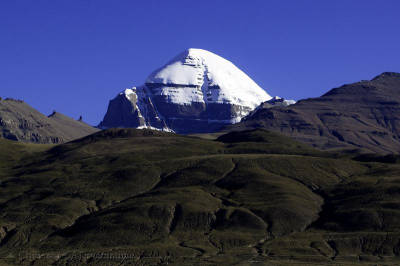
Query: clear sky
{"points": [[73, 56]]}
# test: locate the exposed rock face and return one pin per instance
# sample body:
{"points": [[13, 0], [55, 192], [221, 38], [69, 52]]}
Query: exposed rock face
{"points": [[197, 91], [133, 108], [363, 115], [21, 122], [274, 102]]}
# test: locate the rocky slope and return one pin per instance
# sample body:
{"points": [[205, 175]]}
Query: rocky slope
{"points": [[363, 115], [21, 122], [197, 91]]}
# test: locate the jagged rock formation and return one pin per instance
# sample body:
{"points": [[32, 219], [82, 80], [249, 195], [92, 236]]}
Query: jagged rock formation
{"points": [[197, 91], [21, 122], [364, 115]]}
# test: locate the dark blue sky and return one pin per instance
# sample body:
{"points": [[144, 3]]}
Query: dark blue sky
{"points": [[75, 55]]}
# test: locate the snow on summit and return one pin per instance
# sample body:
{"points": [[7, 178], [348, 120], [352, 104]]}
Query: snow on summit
{"points": [[198, 75], [196, 92]]}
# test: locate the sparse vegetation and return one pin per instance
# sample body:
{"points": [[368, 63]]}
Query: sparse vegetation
{"points": [[147, 197]]}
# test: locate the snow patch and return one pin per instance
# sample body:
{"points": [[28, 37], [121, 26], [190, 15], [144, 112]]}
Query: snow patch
{"points": [[165, 129]]}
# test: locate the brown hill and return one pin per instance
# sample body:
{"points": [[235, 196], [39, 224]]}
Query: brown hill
{"points": [[19, 121], [363, 115], [142, 197]]}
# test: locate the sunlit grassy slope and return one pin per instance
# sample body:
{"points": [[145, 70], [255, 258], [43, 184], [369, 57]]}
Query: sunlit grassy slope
{"points": [[158, 198]]}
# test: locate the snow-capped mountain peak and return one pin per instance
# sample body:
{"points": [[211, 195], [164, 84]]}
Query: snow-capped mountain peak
{"points": [[197, 91], [206, 78]]}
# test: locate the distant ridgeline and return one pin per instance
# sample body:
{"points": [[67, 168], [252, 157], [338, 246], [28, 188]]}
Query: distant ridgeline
{"points": [[11, 99], [21, 122], [364, 115]]}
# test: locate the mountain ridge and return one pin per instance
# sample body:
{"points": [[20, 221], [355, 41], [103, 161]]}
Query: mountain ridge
{"points": [[364, 115], [19, 121]]}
